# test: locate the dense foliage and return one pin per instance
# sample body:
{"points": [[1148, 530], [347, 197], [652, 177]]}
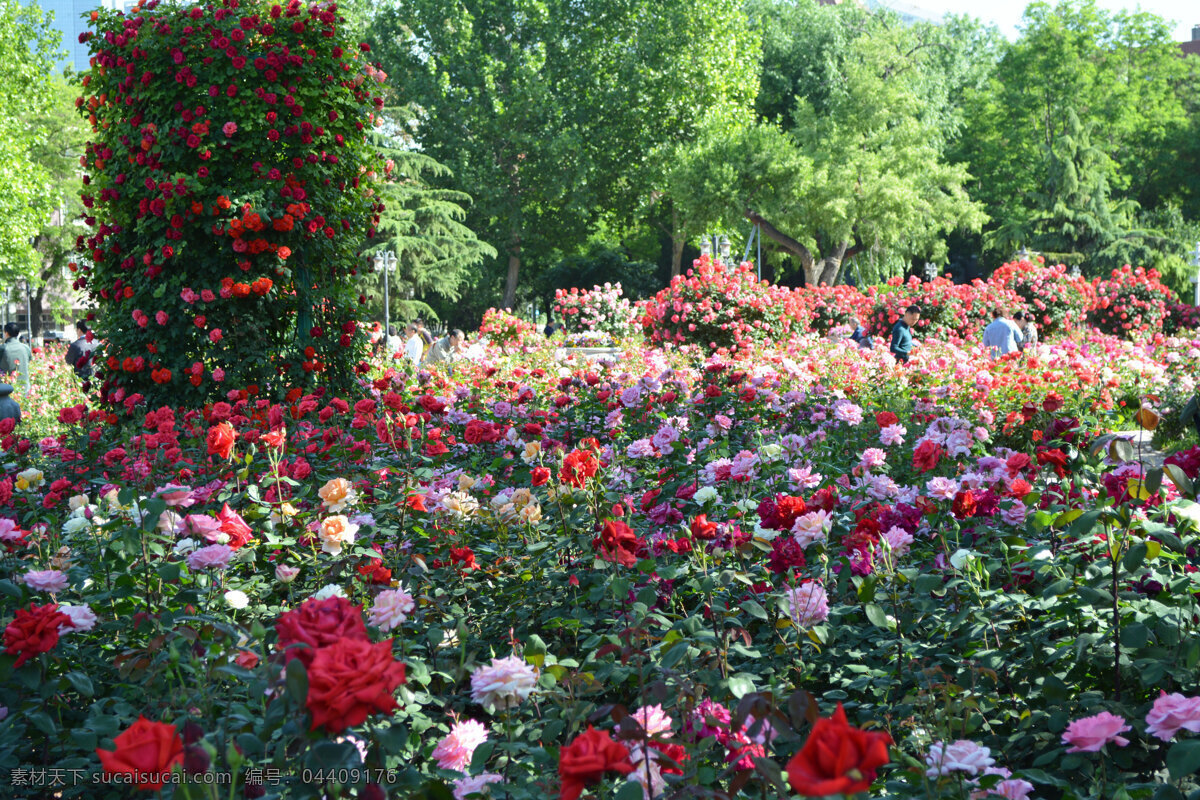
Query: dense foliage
{"points": [[227, 196]]}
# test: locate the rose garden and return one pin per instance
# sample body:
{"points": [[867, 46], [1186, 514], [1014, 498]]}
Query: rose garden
{"points": [[711, 549]]}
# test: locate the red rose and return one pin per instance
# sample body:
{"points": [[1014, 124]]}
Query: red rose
{"points": [[539, 476], [927, 456], [837, 758], [578, 466], [886, 418], [146, 751], [1054, 458], [617, 542], [233, 526], [318, 623], [964, 504], [416, 502], [476, 431], [1052, 403], [220, 440], [349, 680], [34, 631], [702, 529], [585, 760]]}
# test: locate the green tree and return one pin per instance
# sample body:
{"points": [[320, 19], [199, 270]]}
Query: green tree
{"points": [[27, 54], [58, 140], [1119, 75], [857, 164], [555, 113], [423, 226]]}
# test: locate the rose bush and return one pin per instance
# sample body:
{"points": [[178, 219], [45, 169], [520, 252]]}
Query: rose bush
{"points": [[600, 310], [1131, 303], [228, 188], [718, 306], [1058, 300]]}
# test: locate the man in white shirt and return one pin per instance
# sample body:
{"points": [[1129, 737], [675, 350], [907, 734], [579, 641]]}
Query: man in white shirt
{"points": [[1001, 336]]}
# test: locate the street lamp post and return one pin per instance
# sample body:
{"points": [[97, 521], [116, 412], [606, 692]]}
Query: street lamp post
{"points": [[1196, 277], [385, 260], [715, 244]]}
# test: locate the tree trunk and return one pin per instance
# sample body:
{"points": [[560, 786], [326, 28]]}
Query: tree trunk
{"points": [[35, 312], [678, 240], [831, 265], [812, 267], [514, 270]]}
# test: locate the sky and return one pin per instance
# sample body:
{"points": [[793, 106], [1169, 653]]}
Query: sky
{"points": [[1006, 14]]}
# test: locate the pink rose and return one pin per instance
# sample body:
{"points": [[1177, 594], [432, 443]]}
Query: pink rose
{"points": [[161, 317], [215, 335], [1172, 712], [1090, 734], [229, 128]]}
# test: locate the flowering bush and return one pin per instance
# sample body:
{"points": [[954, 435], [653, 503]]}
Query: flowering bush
{"points": [[228, 195], [1131, 303], [1181, 318], [1058, 300], [505, 329], [602, 310], [949, 311], [827, 307], [715, 306]]}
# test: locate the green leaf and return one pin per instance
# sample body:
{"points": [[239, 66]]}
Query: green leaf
{"points": [[80, 682], [878, 617], [296, 680], [1135, 556], [741, 685], [754, 609], [630, 790], [1183, 758]]}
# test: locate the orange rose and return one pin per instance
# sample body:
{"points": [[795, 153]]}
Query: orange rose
{"points": [[349, 680], [337, 494], [146, 752]]}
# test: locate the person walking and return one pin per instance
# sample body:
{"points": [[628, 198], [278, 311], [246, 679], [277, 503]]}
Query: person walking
{"points": [[15, 355], [1001, 336], [902, 340], [1027, 327], [79, 354], [414, 345]]}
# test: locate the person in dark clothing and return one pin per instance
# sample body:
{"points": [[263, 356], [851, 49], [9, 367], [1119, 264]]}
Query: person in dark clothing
{"points": [[860, 336], [902, 341], [79, 354]]}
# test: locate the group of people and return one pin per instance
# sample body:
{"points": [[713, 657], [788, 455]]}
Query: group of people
{"points": [[1002, 336], [421, 349]]}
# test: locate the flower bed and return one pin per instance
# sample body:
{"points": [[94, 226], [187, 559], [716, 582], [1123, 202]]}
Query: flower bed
{"points": [[660, 573]]}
